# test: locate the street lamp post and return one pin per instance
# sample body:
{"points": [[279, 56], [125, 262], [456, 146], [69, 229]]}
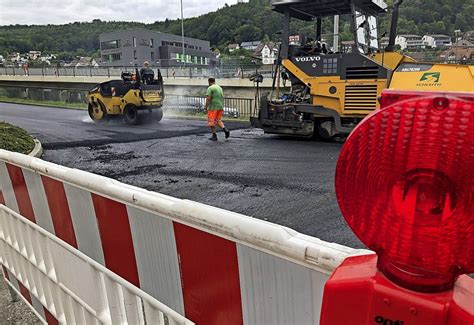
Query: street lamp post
{"points": [[182, 32]]}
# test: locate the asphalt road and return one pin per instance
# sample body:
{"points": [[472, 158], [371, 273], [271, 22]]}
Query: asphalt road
{"points": [[282, 180]]}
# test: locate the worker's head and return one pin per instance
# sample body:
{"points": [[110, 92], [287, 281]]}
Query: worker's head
{"points": [[211, 81], [146, 64]]}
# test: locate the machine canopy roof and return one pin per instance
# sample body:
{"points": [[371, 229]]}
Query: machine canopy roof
{"points": [[310, 9]]}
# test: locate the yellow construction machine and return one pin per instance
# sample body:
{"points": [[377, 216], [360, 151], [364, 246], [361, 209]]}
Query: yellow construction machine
{"points": [[137, 98], [331, 90]]}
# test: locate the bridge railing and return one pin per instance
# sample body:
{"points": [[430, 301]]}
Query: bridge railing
{"points": [[210, 265], [235, 72], [185, 105]]}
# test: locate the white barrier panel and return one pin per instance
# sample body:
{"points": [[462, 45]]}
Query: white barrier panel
{"points": [[63, 285], [209, 264]]}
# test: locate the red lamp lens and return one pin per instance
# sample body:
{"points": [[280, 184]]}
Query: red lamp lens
{"points": [[405, 185]]}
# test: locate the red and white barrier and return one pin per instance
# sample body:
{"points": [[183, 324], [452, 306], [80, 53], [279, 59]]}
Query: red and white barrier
{"points": [[62, 285], [209, 264]]}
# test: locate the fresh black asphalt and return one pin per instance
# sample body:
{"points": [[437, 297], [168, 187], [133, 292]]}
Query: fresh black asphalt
{"points": [[282, 180]]}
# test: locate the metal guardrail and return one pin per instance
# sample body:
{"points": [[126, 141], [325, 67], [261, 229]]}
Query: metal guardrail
{"points": [[194, 105], [177, 104], [236, 72]]}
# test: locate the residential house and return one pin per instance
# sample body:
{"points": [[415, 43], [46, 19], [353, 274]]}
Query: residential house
{"points": [[458, 55], [33, 55], [295, 40], [347, 46], [14, 57], [384, 42], [251, 46], [410, 42], [469, 36], [460, 51], [267, 52], [83, 62], [233, 46], [47, 58], [437, 41], [463, 44]]}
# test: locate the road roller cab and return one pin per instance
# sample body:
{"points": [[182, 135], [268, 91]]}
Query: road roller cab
{"points": [[137, 98]]}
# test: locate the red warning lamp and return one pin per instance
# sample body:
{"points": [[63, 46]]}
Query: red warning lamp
{"points": [[405, 185]]}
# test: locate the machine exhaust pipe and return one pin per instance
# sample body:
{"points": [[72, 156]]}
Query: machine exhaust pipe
{"points": [[393, 27]]}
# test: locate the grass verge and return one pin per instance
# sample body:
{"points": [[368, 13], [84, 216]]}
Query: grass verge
{"points": [[15, 139]]}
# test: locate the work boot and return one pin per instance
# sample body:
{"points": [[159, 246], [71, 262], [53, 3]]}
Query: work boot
{"points": [[213, 137], [227, 133]]}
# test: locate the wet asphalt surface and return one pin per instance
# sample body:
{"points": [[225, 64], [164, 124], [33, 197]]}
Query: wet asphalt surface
{"points": [[283, 180]]}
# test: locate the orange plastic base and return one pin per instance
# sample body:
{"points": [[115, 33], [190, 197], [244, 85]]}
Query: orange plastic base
{"points": [[358, 294]]}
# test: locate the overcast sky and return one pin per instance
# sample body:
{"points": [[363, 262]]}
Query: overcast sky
{"points": [[66, 11]]}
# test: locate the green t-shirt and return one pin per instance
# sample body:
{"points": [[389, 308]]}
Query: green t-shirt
{"points": [[217, 98]]}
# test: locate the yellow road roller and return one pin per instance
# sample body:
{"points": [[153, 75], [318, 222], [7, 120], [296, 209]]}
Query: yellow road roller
{"points": [[138, 98]]}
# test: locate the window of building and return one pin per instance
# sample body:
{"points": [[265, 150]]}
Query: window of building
{"points": [[134, 42], [134, 54], [107, 45], [151, 43], [112, 57], [152, 56]]}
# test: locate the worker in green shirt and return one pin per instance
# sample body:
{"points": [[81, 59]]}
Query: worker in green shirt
{"points": [[215, 108]]}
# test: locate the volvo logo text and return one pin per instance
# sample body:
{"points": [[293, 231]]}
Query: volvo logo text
{"points": [[308, 59]]}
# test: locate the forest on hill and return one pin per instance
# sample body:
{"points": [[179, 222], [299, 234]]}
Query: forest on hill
{"points": [[231, 24]]}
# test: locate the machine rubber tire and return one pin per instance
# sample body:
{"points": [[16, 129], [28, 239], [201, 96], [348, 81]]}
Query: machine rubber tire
{"points": [[130, 115], [157, 114], [325, 130], [97, 113]]}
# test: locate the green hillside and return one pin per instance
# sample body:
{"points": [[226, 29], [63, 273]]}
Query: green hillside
{"points": [[237, 23]]}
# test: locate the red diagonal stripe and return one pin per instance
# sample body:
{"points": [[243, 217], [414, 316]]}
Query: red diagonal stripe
{"points": [[116, 238], [210, 277], [24, 292], [59, 208], [21, 192], [2, 199], [50, 319], [5, 272]]}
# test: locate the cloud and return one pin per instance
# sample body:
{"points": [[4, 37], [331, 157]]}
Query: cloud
{"points": [[60, 11]]}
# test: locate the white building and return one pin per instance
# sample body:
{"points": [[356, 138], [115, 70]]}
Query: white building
{"points": [[384, 42], [437, 41], [267, 52], [34, 55], [295, 40], [410, 42]]}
